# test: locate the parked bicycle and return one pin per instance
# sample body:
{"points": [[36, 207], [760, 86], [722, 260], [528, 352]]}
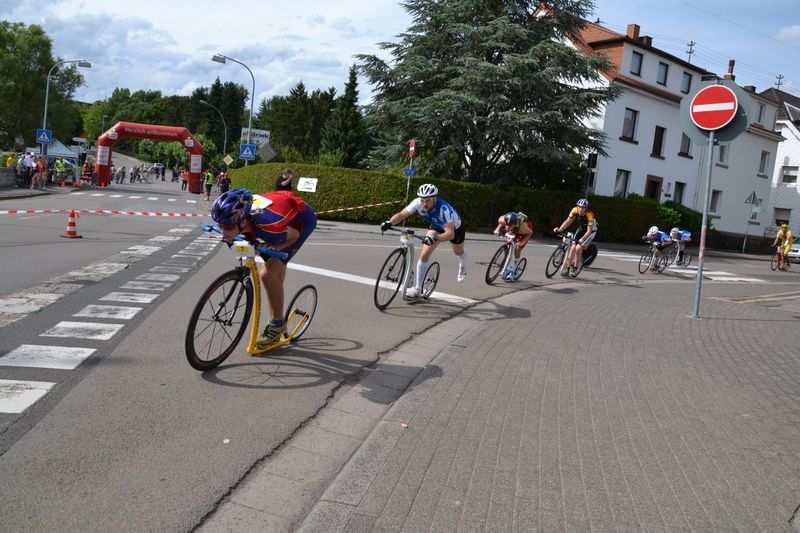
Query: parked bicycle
{"points": [[397, 273], [502, 259], [649, 258], [556, 261], [778, 261], [220, 317]]}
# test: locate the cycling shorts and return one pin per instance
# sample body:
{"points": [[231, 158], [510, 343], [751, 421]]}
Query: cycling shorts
{"points": [[305, 222], [581, 232], [519, 238], [461, 233]]}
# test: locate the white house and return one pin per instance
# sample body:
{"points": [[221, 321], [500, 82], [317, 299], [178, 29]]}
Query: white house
{"points": [[647, 152], [784, 202]]}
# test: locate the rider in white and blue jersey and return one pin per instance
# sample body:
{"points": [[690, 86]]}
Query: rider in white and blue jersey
{"points": [[682, 236], [662, 240], [445, 224]]}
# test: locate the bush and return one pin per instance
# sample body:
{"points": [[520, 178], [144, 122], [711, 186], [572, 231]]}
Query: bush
{"points": [[620, 219]]}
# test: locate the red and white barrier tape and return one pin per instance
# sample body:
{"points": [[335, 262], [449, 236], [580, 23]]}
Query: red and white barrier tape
{"points": [[356, 207]]}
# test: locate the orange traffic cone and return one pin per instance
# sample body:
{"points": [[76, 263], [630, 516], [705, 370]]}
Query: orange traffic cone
{"points": [[72, 227]]}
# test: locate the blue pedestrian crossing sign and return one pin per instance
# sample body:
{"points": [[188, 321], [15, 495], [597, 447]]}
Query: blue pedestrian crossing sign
{"points": [[247, 151], [44, 136], [409, 172]]}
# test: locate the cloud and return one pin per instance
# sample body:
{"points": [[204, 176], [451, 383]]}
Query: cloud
{"points": [[789, 32]]}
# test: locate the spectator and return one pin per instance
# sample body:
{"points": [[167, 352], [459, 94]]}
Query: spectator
{"points": [[284, 181]]}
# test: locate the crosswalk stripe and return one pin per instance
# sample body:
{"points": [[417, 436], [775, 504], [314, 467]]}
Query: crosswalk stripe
{"points": [[83, 330], [38, 356], [16, 395], [108, 311], [129, 297], [145, 285]]}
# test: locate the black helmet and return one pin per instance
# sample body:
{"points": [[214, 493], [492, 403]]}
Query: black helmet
{"points": [[512, 218]]}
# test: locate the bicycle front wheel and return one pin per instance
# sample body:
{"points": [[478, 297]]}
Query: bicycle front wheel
{"points": [[301, 311], [774, 263], [496, 264], [520, 268], [663, 262], [390, 278], [555, 261], [645, 261], [431, 279], [219, 320]]}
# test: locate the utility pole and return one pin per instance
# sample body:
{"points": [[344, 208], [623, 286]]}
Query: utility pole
{"points": [[779, 81], [690, 51]]}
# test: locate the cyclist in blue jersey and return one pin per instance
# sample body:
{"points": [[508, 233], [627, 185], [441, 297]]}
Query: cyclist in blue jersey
{"points": [[445, 225], [662, 241], [682, 237]]}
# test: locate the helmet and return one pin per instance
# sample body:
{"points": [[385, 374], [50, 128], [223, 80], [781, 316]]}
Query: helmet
{"points": [[428, 190], [511, 218], [652, 231], [674, 230], [784, 226], [232, 207], [583, 202]]}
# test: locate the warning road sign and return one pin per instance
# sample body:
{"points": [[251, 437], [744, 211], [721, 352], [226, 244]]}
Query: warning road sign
{"points": [[713, 107], [44, 136], [247, 151]]}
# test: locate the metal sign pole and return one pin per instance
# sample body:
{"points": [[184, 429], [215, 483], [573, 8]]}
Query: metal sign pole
{"points": [[704, 228]]}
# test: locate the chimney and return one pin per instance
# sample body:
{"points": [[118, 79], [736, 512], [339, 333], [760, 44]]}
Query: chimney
{"points": [[646, 40], [633, 31], [750, 88], [729, 75]]}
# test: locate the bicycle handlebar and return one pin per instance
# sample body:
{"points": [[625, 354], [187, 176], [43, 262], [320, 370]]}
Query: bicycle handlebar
{"points": [[406, 231], [261, 249]]}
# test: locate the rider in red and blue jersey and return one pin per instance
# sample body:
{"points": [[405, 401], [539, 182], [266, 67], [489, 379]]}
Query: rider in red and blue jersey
{"points": [[280, 219]]}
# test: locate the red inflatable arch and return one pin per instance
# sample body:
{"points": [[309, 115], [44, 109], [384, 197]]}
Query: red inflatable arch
{"points": [[121, 130]]}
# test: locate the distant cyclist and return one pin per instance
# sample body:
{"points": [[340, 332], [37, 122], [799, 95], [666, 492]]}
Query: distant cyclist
{"points": [[681, 237], [445, 225], [283, 221], [661, 240], [517, 224], [584, 235], [784, 237]]}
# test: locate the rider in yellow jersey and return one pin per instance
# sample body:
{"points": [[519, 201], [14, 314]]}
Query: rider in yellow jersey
{"points": [[784, 235]]}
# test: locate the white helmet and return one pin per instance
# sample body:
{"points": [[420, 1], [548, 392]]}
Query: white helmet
{"points": [[427, 190], [583, 202], [674, 231], [652, 231]]}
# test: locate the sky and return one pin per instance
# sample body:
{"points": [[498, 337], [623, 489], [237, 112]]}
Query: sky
{"points": [[167, 45]]}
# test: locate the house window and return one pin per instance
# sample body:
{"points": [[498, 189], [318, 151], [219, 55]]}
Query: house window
{"points": [[663, 69], [760, 118], [629, 124], [716, 199], [680, 188], [591, 173], [762, 165], [686, 84], [636, 63], [686, 145], [782, 216], [658, 142], [789, 175], [621, 186], [723, 154]]}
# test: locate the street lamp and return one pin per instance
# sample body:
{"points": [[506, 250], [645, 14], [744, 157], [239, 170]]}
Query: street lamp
{"points": [[224, 125], [103, 124], [81, 63], [219, 58]]}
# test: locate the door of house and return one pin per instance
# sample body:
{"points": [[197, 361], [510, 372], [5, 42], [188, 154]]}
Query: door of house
{"points": [[652, 188]]}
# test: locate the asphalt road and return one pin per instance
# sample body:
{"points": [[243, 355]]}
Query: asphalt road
{"points": [[134, 438]]}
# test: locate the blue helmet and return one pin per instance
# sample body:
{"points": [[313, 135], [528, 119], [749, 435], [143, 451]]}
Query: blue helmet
{"points": [[511, 218], [232, 207]]}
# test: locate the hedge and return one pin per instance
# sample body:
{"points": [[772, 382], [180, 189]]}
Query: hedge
{"points": [[480, 205]]}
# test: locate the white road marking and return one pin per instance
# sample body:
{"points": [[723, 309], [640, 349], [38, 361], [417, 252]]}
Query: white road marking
{"points": [[161, 268], [371, 281], [16, 396], [115, 196], [145, 286], [152, 197], [83, 330], [98, 194], [170, 199], [134, 197], [129, 297], [141, 250], [171, 278], [191, 201], [37, 356], [108, 311]]}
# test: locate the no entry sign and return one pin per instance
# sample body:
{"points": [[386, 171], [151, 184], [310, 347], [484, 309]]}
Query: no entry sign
{"points": [[713, 107]]}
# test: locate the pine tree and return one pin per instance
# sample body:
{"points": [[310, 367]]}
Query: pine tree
{"points": [[344, 131], [486, 87]]}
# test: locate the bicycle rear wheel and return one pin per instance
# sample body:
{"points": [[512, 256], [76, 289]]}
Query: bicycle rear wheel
{"points": [[590, 254], [496, 264], [431, 279], [555, 261], [645, 261], [520, 268], [301, 311], [774, 263], [390, 278], [687, 260], [219, 320]]}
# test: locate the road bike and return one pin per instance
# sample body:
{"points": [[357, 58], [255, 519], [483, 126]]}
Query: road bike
{"points": [[672, 254], [397, 273], [778, 261], [556, 261], [649, 258], [220, 317], [502, 259]]}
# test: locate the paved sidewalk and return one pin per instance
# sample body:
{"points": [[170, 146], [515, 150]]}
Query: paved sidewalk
{"points": [[503, 420]]}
